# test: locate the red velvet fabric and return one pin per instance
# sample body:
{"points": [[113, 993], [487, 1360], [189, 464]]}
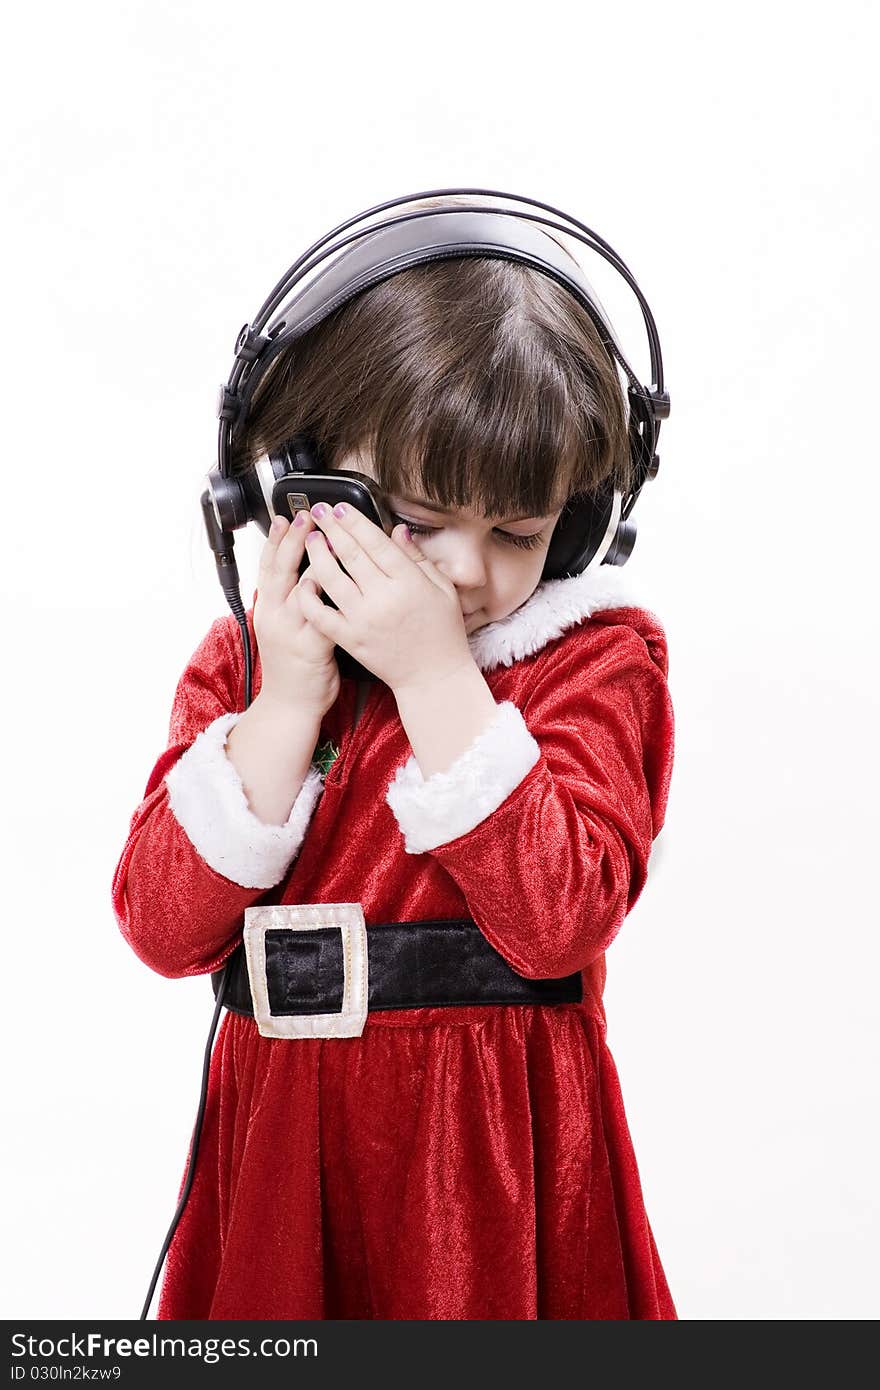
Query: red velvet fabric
{"points": [[462, 1163]]}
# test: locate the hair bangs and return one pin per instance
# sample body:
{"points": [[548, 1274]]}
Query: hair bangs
{"points": [[499, 435]]}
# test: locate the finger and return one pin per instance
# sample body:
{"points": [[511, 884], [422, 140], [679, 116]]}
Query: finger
{"points": [[283, 552], [275, 534], [403, 537], [342, 589], [296, 532], [307, 574], [319, 614], [357, 539], [407, 545], [345, 546]]}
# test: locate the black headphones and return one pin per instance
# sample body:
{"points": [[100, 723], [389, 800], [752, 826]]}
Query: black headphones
{"points": [[591, 529], [594, 529]]}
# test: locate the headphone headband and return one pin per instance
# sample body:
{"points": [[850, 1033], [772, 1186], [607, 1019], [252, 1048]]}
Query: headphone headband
{"points": [[378, 251]]}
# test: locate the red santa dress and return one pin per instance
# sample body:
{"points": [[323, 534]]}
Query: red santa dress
{"points": [[466, 1162]]}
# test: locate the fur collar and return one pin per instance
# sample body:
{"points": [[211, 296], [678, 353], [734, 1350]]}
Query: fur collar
{"points": [[555, 606]]}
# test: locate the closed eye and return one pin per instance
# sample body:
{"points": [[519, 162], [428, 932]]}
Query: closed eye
{"points": [[524, 542]]}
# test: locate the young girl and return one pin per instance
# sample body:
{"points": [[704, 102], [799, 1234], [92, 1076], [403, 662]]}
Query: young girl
{"points": [[510, 764]]}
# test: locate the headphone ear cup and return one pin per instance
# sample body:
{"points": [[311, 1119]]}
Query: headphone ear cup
{"points": [[301, 454], [298, 454], [579, 533]]}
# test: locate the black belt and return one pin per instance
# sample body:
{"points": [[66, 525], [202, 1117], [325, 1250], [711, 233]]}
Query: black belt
{"points": [[301, 969]]}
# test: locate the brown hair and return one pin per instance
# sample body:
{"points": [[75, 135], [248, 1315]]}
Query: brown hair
{"points": [[476, 382]]}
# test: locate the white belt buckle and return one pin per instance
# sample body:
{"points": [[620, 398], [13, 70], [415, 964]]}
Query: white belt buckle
{"points": [[349, 919]]}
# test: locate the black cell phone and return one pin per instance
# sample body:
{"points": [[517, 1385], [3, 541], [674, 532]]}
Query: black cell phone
{"points": [[297, 491]]}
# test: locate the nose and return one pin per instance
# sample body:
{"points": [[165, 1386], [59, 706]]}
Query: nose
{"points": [[463, 564]]}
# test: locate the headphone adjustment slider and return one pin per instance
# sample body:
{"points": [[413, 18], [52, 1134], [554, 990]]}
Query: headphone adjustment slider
{"points": [[228, 404], [659, 404], [648, 404], [249, 344]]}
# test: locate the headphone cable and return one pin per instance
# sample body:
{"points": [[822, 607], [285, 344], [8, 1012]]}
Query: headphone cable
{"points": [[197, 1130]]}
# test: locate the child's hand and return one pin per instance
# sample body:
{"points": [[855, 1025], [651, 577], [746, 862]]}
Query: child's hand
{"points": [[398, 615], [298, 666]]}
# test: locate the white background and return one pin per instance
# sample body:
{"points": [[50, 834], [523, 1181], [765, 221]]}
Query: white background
{"points": [[166, 163]]}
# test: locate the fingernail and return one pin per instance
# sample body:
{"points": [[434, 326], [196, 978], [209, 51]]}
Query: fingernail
{"points": [[276, 524], [299, 519], [340, 509], [319, 509], [407, 532]]}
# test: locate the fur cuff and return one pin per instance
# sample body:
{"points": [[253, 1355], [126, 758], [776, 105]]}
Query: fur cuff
{"points": [[208, 800], [451, 803]]}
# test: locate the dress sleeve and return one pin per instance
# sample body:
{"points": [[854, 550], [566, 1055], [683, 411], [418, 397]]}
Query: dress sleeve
{"points": [[196, 855], [546, 821]]}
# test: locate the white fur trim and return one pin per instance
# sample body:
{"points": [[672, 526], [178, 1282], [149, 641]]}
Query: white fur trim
{"points": [[453, 802], [208, 800], [555, 606]]}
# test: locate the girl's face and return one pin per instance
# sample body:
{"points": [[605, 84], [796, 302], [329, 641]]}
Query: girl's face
{"points": [[495, 563]]}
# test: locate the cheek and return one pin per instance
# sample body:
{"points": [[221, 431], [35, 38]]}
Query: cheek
{"points": [[520, 573], [536, 567]]}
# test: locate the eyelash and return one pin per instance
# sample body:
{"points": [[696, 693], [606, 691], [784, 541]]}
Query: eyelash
{"points": [[524, 542]]}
